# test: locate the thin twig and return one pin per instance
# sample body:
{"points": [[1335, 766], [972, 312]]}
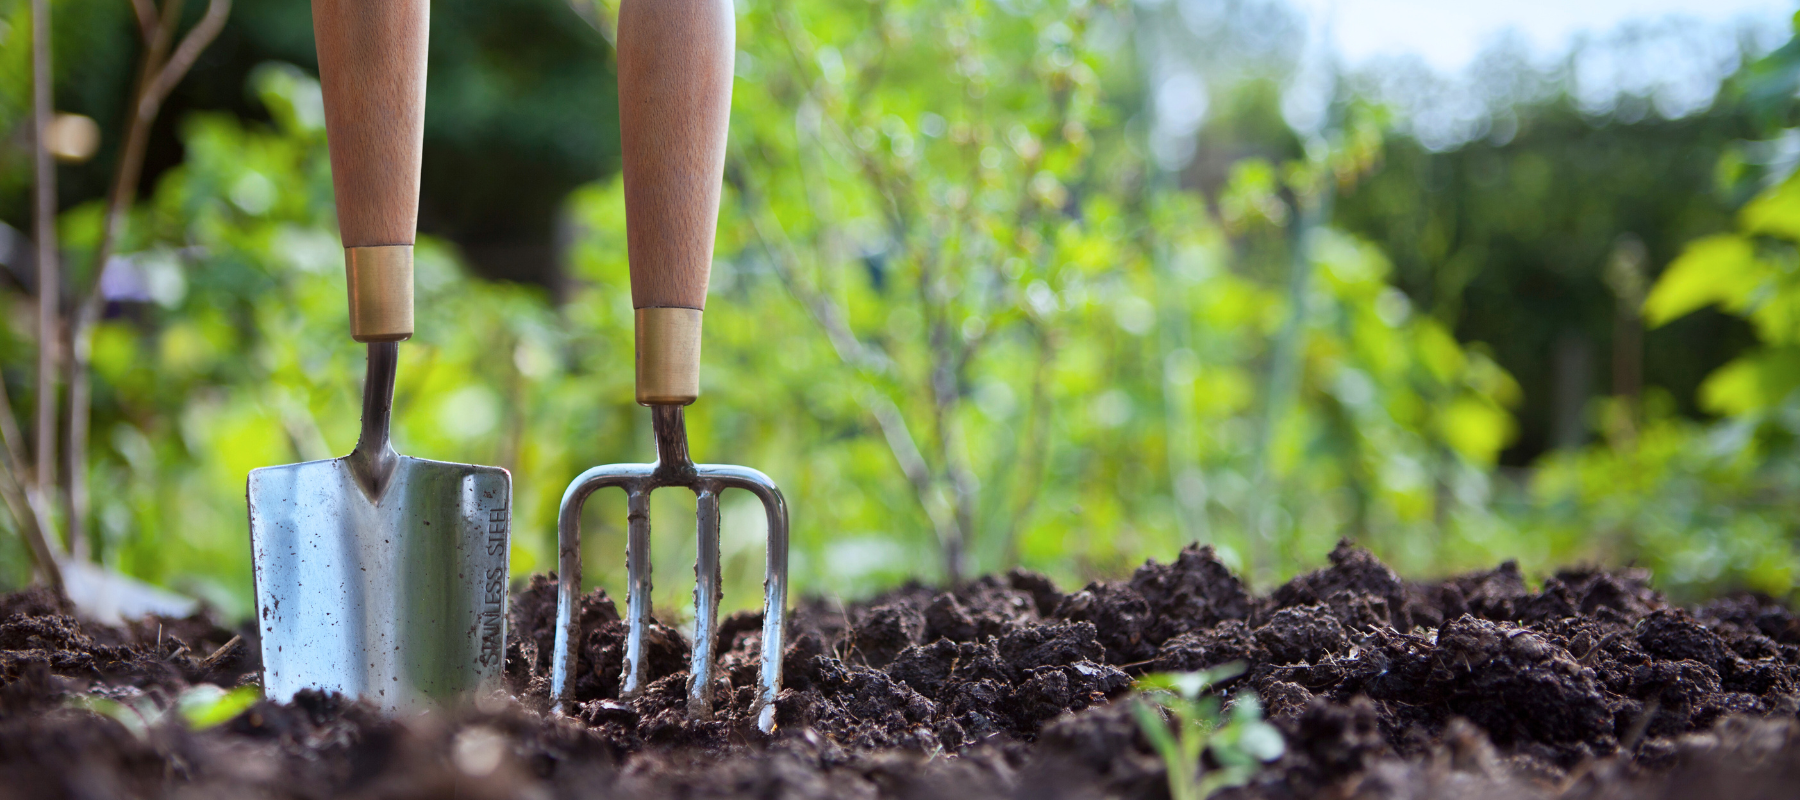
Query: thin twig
{"points": [[218, 655], [19, 497], [25, 514], [146, 19], [158, 74], [188, 51], [45, 234], [779, 252], [47, 269]]}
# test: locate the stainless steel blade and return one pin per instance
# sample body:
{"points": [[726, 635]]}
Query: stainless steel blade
{"points": [[401, 601], [381, 576]]}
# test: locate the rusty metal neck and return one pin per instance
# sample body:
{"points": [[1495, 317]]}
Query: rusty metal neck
{"points": [[673, 464], [374, 459]]}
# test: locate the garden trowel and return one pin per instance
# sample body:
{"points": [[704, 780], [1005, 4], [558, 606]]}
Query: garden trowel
{"points": [[378, 575]]}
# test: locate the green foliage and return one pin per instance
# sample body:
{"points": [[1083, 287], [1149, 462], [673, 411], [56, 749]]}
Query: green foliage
{"points": [[952, 313], [199, 707], [1180, 716], [205, 706], [1506, 240], [239, 360], [1701, 506], [1042, 340], [1705, 506], [962, 318]]}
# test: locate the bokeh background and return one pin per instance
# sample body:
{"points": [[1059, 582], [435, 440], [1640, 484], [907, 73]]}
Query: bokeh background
{"points": [[1061, 284]]}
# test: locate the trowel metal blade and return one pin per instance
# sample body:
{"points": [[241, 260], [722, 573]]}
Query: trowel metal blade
{"points": [[400, 600]]}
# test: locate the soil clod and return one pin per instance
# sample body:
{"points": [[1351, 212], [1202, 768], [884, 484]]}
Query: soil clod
{"points": [[1593, 686]]}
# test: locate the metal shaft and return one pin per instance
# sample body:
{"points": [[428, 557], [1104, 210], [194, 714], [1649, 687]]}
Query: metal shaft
{"points": [[674, 467], [374, 459]]}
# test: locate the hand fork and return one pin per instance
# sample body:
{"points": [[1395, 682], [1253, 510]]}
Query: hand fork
{"points": [[675, 67]]}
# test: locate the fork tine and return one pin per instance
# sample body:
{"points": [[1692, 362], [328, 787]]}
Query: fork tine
{"points": [[673, 468], [775, 580], [775, 577], [637, 591], [563, 658], [707, 594]]}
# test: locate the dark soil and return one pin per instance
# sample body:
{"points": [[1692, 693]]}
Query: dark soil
{"points": [[1475, 687]]}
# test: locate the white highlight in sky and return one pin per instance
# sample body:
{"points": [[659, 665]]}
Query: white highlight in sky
{"points": [[1447, 34]]}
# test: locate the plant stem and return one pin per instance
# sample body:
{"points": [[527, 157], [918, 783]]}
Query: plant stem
{"points": [[17, 495], [158, 73], [45, 235], [851, 351]]}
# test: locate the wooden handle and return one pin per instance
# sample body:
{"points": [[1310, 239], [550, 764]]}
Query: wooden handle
{"points": [[675, 68], [372, 72]]}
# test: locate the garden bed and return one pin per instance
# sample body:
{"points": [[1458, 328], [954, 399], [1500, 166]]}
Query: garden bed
{"points": [[1593, 686]]}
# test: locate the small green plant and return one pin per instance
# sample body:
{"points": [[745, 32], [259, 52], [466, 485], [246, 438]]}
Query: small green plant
{"points": [[206, 705], [1183, 721], [201, 706]]}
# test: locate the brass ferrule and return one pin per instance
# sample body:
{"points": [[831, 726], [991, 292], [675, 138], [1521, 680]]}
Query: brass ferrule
{"points": [[668, 356], [381, 292]]}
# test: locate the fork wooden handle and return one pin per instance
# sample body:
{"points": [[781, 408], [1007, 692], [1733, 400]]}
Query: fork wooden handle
{"points": [[372, 72], [675, 67]]}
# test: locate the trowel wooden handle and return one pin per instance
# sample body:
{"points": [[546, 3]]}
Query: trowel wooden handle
{"points": [[372, 71], [675, 66]]}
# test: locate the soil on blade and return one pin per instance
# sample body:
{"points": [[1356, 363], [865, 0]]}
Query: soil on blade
{"points": [[1591, 686]]}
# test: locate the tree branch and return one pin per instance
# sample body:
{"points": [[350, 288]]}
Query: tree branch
{"points": [[158, 74], [44, 201], [146, 19], [188, 51]]}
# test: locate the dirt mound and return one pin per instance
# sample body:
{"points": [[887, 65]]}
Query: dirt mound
{"points": [[1592, 686]]}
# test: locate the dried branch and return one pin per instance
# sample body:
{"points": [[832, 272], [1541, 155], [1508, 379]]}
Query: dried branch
{"points": [[16, 494], [158, 74], [45, 235], [210, 662], [186, 53], [146, 19]]}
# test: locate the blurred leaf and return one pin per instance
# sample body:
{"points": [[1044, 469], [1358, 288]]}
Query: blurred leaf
{"points": [[205, 705], [1756, 381], [1775, 212], [1476, 429], [1718, 269]]}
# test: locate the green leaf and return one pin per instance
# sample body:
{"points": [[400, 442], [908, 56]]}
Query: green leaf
{"points": [[1748, 383], [1775, 212], [133, 718], [1262, 740], [1175, 753], [206, 705], [1475, 429], [1719, 269]]}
